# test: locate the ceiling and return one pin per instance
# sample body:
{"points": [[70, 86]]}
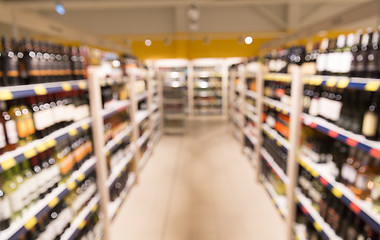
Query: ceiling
{"points": [[114, 24]]}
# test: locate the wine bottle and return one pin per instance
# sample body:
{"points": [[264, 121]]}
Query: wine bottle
{"points": [[10, 64], [373, 58], [362, 57], [346, 56], [363, 182], [5, 213], [321, 61], [371, 118], [332, 58], [356, 48]]}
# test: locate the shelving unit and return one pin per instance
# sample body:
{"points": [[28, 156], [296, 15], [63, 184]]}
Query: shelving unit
{"points": [[321, 172], [174, 83], [135, 155]]}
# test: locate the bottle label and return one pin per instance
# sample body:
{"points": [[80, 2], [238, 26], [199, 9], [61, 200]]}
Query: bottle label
{"points": [[375, 193], [345, 62], [5, 207], [16, 200], [324, 106], [321, 62], [362, 182], [3, 141], [349, 173], [40, 121], [370, 121], [25, 188], [334, 110], [314, 107], [22, 128], [70, 111], [11, 129], [67, 164]]}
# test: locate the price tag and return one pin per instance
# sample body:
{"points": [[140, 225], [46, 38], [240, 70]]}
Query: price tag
{"points": [[82, 224], [51, 143], [343, 83], [81, 177], [40, 90], [331, 82], [85, 126], [317, 226], [82, 84], [41, 148], [6, 95], [336, 192], [31, 223], [66, 87], [53, 202], [9, 163], [372, 86], [71, 186], [30, 153], [73, 132]]}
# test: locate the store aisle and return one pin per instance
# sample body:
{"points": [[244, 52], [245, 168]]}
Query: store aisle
{"points": [[198, 187]]}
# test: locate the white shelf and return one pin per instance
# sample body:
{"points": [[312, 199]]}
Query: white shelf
{"points": [[118, 138], [142, 96], [252, 117], [141, 116], [119, 168], [115, 107], [279, 201], [145, 157], [143, 138], [273, 133], [318, 223], [251, 94], [250, 108], [45, 203], [251, 138], [79, 220], [280, 173], [154, 107], [114, 206]]}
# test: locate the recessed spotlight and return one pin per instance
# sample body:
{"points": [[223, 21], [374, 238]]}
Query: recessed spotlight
{"points": [[148, 42], [248, 40], [60, 9]]}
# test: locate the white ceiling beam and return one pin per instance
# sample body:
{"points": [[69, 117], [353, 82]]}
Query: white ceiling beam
{"points": [[39, 24], [117, 4], [269, 15], [351, 15], [293, 15]]}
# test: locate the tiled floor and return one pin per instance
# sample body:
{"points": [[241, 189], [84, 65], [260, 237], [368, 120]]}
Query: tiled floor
{"points": [[198, 186]]}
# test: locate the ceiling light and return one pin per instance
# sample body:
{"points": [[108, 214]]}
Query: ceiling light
{"points": [[248, 40], [193, 13], [193, 26], [148, 42], [60, 9]]}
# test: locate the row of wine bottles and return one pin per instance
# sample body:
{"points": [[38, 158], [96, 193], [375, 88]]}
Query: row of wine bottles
{"points": [[118, 154], [355, 55], [115, 124], [354, 110], [23, 120], [341, 219], [31, 62], [25, 184], [121, 182]]}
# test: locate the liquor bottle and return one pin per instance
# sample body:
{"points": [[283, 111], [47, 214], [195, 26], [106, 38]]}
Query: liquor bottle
{"points": [[373, 59], [309, 65], [346, 56], [359, 99], [5, 213], [29, 72], [334, 214], [348, 171], [363, 183], [314, 103], [10, 64], [44, 60], [356, 48], [371, 118], [16, 195], [331, 59], [322, 57], [52, 63], [38, 78], [354, 229], [362, 57]]}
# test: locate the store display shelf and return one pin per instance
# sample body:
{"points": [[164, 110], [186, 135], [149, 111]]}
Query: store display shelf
{"points": [[273, 165], [22, 91], [209, 93], [251, 94], [12, 158], [361, 208], [350, 138], [113, 81], [80, 221], [315, 218], [36, 212], [368, 84], [142, 96], [273, 134], [300, 231], [145, 157], [156, 116], [247, 151], [154, 107], [117, 140], [115, 205], [174, 116], [207, 75], [277, 105], [278, 200], [116, 171], [250, 108], [237, 122], [140, 141], [252, 117], [156, 137], [114, 108], [279, 77], [141, 115], [208, 111], [251, 138], [320, 124]]}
